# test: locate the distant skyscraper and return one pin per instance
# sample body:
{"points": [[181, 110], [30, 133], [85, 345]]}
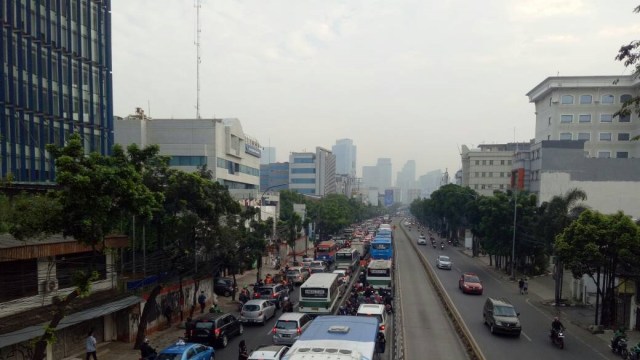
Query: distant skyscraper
{"points": [[345, 153], [384, 172], [268, 155], [377, 176], [406, 180], [313, 173]]}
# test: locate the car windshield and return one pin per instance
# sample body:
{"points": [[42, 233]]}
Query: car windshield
{"points": [[169, 357], [265, 291], [293, 272], [471, 279], [505, 311], [251, 307], [288, 325], [444, 258], [204, 325]]}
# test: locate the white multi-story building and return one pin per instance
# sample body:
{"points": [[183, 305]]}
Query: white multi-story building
{"points": [[313, 173], [582, 108], [489, 167], [232, 156]]}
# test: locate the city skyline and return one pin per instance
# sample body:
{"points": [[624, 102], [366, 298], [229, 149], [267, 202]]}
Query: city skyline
{"points": [[329, 70]]}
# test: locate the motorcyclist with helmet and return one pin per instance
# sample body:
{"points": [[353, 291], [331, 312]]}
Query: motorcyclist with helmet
{"points": [[146, 351], [287, 306], [556, 327], [617, 336]]}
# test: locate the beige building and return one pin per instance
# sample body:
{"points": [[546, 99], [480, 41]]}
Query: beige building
{"points": [[488, 168], [582, 108]]}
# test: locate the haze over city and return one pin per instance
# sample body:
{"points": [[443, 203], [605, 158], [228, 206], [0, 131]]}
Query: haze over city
{"points": [[403, 79]]}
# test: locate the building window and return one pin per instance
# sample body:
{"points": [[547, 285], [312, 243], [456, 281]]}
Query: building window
{"points": [[622, 155], [490, 174], [606, 99], [605, 136], [606, 118], [477, 174], [623, 137], [565, 119], [303, 170], [566, 99], [475, 186], [586, 99], [584, 136], [501, 186], [585, 118], [624, 118], [565, 136], [604, 154], [482, 186], [188, 161], [509, 162], [624, 98], [490, 162], [483, 174], [484, 162], [501, 162], [303, 181], [549, 120], [303, 160], [477, 162]]}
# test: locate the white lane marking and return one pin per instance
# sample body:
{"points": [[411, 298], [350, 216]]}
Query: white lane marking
{"points": [[525, 335], [574, 337]]}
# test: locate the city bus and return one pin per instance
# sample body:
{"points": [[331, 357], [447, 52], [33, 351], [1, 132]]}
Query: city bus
{"points": [[337, 338], [326, 251], [320, 293], [347, 258], [381, 249], [380, 274]]}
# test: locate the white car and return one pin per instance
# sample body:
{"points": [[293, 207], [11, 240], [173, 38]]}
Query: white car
{"points": [[343, 277], [443, 262], [270, 352], [257, 311], [422, 240]]}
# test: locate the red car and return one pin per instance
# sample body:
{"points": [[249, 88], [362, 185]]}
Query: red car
{"points": [[470, 283]]}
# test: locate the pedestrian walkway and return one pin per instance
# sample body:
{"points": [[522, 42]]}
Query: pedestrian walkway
{"points": [[543, 286], [116, 350]]}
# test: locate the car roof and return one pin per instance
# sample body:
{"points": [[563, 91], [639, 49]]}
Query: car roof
{"points": [[443, 257], [255, 301], [500, 301], [266, 351], [291, 316], [178, 348], [210, 317], [469, 274], [296, 268], [371, 308]]}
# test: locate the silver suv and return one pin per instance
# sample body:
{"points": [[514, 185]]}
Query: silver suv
{"points": [[289, 327], [297, 275]]}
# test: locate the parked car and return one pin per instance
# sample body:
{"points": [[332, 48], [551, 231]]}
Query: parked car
{"points": [[257, 311], [470, 283], [289, 327], [269, 352], [186, 351], [274, 292], [223, 286], [443, 262], [215, 329], [298, 274], [501, 316]]}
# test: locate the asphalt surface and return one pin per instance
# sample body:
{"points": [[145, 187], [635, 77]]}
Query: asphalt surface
{"points": [[534, 343], [428, 331]]}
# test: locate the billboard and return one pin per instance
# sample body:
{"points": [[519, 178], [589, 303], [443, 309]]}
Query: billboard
{"points": [[388, 197]]}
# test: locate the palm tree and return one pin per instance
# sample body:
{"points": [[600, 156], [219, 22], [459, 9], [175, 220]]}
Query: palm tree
{"points": [[294, 225], [557, 214]]}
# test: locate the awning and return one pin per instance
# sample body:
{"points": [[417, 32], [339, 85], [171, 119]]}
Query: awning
{"points": [[31, 332]]}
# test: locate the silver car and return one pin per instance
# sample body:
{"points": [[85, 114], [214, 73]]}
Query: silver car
{"points": [[289, 327], [257, 311], [443, 262]]}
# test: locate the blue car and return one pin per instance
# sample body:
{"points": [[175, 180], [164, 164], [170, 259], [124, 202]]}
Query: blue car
{"points": [[186, 351]]}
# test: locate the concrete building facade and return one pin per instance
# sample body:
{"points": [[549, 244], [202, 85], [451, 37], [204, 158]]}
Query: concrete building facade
{"points": [[583, 108], [219, 144], [345, 153], [55, 80], [313, 173], [488, 168]]}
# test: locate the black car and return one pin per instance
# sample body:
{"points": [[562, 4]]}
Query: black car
{"points": [[214, 329], [273, 292], [223, 286]]}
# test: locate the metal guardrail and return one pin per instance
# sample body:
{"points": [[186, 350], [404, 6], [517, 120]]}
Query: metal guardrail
{"points": [[398, 328], [471, 346]]}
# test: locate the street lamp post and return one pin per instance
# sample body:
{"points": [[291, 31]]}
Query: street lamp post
{"points": [[513, 241], [258, 273]]}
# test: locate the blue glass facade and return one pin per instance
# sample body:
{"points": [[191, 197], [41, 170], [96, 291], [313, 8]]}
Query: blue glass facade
{"points": [[274, 174], [56, 81]]}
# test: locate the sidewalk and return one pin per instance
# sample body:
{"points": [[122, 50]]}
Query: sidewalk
{"points": [[544, 287], [115, 350]]}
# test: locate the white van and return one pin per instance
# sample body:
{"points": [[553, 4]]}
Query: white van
{"points": [[377, 311]]}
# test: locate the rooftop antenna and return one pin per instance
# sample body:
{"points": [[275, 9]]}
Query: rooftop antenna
{"points": [[198, 30]]}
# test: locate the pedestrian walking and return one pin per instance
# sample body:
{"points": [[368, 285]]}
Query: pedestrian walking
{"points": [[91, 346], [521, 285], [525, 286], [243, 353], [202, 300]]}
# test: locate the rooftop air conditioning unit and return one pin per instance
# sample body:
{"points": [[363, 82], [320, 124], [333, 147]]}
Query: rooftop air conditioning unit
{"points": [[49, 286]]}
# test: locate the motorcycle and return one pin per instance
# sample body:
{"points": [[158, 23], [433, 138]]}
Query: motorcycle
{"points": [[557, 339], [620, 348], [434, 245], [441, 246]]}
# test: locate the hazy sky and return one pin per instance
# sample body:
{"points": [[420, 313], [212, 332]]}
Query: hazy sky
{"points": [[405, 79]]}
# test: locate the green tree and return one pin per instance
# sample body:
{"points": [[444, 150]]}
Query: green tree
{"points": [[629, 55], [602, 247], [294, 225]]}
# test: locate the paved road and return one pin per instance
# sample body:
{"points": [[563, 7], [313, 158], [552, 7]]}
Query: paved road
{"points": [[534, 342], [427, 330]]}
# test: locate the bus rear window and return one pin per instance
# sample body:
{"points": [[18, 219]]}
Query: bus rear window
{"points": [[314, 292], [380, 246], [378, 272]]}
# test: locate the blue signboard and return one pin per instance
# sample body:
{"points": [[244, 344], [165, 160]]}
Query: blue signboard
{"points": [[388, 197], [252, 150]]}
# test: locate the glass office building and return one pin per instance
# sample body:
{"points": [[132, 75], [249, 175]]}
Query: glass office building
{"points": [[56, 81]]}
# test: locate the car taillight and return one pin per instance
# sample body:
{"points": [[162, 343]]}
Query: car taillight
{"points": [[260, 313], [274, 295], [299, 331], [382, 327], [273, 331], [217, 332], [241, 313]]}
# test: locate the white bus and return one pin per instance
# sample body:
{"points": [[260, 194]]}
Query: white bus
{"points": [[319, 294], [347, 258], [380, 274], [337, 338]]}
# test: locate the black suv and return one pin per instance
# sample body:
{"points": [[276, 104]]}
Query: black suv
{"points": [[273, 292], [223, 286], [214, 329]]}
